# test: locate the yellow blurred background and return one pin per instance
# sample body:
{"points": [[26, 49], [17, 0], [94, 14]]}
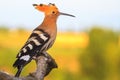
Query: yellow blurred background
{"points": [[93, 54]]}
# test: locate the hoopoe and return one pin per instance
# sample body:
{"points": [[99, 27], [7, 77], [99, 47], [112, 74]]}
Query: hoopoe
{"points": [[42, 37]]}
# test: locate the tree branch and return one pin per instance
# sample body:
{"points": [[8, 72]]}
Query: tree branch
{"points": [[45, 63]]}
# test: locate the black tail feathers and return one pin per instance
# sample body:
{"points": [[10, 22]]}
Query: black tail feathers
{"points": [[20, 63], [19, 72]]}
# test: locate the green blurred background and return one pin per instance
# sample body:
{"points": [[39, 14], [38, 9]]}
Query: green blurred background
{"points": [[93, 54]]}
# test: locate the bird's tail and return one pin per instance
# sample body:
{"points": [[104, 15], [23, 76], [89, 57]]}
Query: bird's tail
{"points": [[19, 63], [18, 72]]}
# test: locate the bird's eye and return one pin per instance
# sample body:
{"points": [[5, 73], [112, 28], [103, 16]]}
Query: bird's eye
{"points": [[41, 4], [53, 12]]}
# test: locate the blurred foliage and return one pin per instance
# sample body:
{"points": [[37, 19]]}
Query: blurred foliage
{"points": [[91, 55], [100, 60], [4, 29], [21, 30]]}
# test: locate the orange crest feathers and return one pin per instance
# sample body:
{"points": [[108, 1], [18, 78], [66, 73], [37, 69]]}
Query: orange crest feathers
{"points": [[47, 9]]}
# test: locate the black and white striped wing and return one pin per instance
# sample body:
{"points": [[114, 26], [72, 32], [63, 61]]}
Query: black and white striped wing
{"points": [[33, 46]]}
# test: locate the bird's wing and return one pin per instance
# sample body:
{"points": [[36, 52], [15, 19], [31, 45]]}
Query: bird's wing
{"points": [[34, 44]]}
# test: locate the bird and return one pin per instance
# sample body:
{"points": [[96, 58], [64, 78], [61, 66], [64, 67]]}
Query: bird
{"points": [[42, 37]]}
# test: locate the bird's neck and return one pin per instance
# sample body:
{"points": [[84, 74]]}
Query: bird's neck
{"points": [[50, 20], [49, 24]]}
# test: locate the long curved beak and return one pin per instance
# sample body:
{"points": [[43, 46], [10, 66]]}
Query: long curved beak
{"points": [[61, 13]]}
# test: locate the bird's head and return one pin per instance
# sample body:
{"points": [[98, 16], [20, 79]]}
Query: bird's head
{"points": [[50, 9]]}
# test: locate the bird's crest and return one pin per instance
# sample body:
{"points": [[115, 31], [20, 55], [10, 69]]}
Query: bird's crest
{"points": [[47, 9]]}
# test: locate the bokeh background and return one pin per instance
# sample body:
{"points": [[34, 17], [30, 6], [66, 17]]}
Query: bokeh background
{"points": [[87, 47]]}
